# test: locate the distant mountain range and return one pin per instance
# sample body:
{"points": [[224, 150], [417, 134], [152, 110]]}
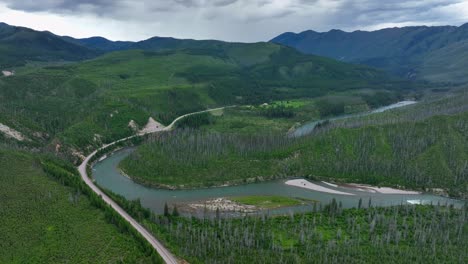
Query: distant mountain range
{"points": [[19, 45], [431, 53], [438, 54], [153, 44], [100, 43]]}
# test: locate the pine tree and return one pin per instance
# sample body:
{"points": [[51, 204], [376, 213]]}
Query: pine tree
{"points": [[166, 210], [218, 214], [175, 212]]}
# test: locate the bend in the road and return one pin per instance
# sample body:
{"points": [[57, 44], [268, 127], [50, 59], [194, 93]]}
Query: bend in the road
{"points": [[171, 125], [157, 245]]}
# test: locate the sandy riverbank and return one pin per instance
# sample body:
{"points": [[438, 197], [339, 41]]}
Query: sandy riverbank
{"points": [[311, 186], [352, 186], [330, 184], [374, 189]]}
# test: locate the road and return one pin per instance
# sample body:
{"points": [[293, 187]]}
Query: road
{"points": [[158, 246], [171, 125]]}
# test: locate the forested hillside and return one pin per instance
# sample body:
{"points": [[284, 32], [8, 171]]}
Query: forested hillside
{"points": [[100, 43], [430, 53], [19, 45], [44, 221], [82, 105]]}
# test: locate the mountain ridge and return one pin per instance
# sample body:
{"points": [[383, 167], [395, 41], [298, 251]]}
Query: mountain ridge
{"points": [[21, 44], [99, 43], [403, 51], [416, 52]]}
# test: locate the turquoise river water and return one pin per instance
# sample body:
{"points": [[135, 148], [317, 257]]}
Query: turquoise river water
{"points": [[107, 175]]}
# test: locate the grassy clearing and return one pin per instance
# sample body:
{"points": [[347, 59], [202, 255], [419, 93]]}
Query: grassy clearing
{"points": [[267, 202], [289, 103], [248, 120]]}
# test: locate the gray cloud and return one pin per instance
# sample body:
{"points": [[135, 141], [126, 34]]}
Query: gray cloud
{"points": [[59, 5], [204, 3], [248, 20], [104, 6], [374, 12]]}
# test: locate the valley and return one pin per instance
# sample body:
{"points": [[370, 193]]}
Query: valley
{"points": [[109, 176], [310, 148]]}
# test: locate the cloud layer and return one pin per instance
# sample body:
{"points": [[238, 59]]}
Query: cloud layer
{"points": [[234, 20]]}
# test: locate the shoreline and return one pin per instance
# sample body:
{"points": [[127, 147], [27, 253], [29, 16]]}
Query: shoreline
{"points": [[376, 189], [302, 183], [156, 185], [353, 186]]}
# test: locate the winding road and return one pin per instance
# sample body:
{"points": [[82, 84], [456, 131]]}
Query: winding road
{"points": [[166, 255]]}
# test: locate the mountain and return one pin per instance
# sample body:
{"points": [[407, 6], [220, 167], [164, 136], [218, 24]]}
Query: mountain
{"points": [[430, 53], [448, 63], [164, 43], [100, 43], [152, 44], [407, 51], [19, 45]]}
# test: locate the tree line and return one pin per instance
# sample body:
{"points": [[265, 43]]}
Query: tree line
{"points": [[328, 234], [67, 176]]}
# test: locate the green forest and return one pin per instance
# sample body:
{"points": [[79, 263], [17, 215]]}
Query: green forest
{"points": [[46, 219], [80, 106], [398, 234]]}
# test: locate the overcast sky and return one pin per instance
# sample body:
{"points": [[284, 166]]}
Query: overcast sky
{"points": [[231, 20]]}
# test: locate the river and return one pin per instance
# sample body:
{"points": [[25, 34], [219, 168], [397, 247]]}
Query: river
{"points": [[107, 175], [309, 127]]}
